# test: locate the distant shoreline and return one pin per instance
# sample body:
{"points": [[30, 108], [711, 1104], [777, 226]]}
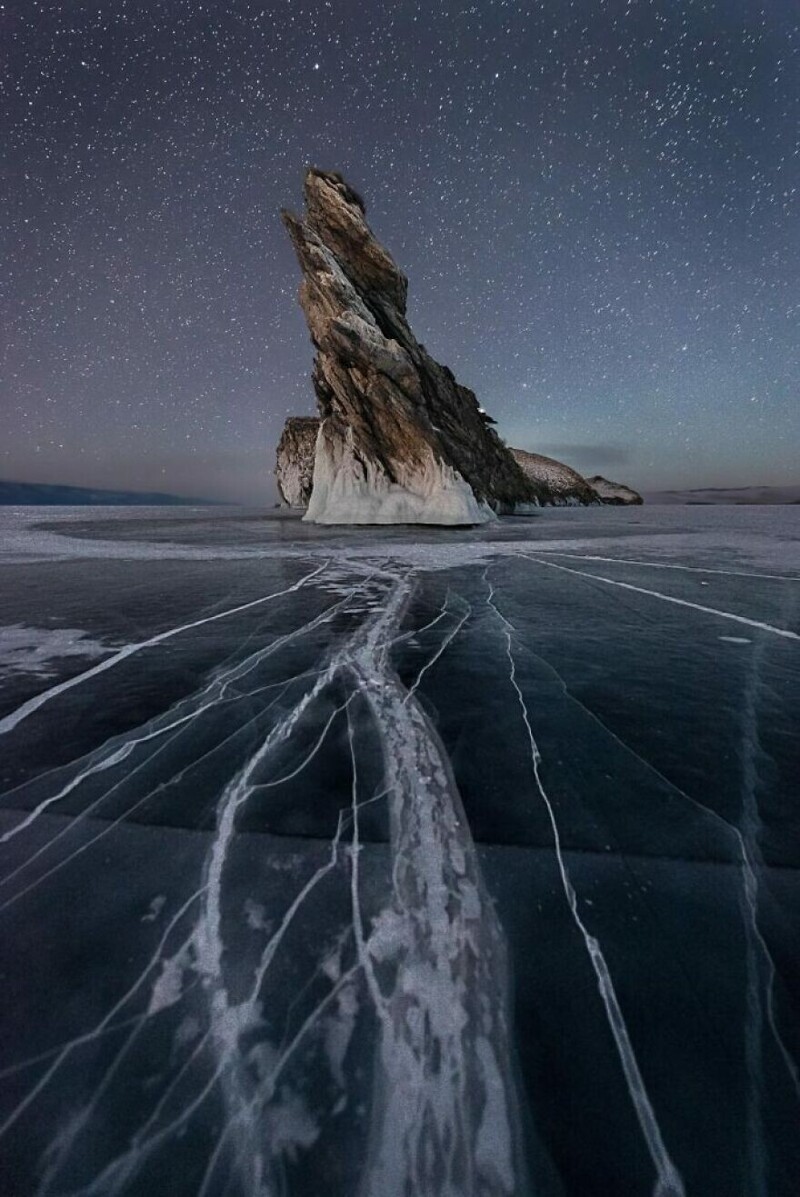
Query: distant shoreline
{"points": [[43, 494], [742, 496]]}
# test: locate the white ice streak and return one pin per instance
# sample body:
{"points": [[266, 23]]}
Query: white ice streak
{"points": [[668, 598], [10, 721], [227, 1021], [691, 569], [105, 1022], [758, 957], [747, 852], [435, 966], [443, 647], [668, 1180], [212, 696], [109, 827], [230, 1020]]}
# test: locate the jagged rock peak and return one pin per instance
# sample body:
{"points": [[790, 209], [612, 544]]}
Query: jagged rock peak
{"points": [[615, 493], [400, 440], [336, 213], [295, 464]]}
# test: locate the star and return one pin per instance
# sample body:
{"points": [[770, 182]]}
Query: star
{"points": [[595, 205]]}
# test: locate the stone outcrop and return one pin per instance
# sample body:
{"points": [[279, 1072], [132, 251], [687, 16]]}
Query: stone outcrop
{"points": [[614, 493], [400, 440], [295, 464], [565, 486], [557, 485]]}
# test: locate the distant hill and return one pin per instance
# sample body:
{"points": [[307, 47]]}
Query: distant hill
{"points": [[742, 495], [563, 486], [41, 494]]}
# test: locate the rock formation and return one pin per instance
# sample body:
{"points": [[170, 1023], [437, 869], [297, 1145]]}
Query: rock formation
{"points": [[295, 465], [400, 440], [614, 493], [557, 485], [565, 486]]}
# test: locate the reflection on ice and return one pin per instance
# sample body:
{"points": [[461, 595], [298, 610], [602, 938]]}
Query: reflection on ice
{"points": [[368, 868]]}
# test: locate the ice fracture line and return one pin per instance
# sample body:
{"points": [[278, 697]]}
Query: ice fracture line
{"points": [[669, 1182], [691, 569], [667, 598], [33, 704], [216, 691], [434, 962]]}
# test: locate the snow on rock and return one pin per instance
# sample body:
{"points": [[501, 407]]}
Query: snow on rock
{"points": [[614, 493], [564, 486], [400, 440]]}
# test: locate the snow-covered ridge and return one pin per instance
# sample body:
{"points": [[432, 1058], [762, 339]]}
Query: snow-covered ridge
{"points": [[564, 486]]}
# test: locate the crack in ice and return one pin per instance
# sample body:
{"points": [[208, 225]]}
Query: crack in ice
{"points": [[667, 598], [9, 722], [747, 864], [669, 1182], [434, 964], [692, 569]]}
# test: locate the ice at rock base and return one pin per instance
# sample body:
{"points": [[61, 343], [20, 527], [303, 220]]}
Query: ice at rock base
{"points": [[349, 491]]}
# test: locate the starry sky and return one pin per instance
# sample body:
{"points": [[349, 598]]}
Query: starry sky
{"points": [[596, 203]]}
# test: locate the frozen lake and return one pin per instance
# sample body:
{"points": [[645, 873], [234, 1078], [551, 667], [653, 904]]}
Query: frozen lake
{"points": [[400, 861]]}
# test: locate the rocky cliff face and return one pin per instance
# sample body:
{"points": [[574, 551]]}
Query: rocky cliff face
{"points": [[614, 492], [400, 440], [295, 464], [565, 486], [557, 485]]}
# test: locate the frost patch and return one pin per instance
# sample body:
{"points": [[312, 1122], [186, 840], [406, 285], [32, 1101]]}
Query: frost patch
{"points": [[156, 906], [256, 917], [493, 1153], [26, 649], [168, 988]]}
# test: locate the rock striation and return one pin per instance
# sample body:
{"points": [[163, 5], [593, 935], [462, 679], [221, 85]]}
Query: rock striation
{"points": [[565, 486], [400, 440], [295, 463], [614, 493], [557, 485]]}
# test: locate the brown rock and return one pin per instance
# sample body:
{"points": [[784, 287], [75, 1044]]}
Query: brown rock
{"points": [[400, 441], [565, 486], [615, 493], [295, 464]]}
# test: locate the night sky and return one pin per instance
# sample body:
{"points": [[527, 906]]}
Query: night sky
{"points": [[596, 204]]}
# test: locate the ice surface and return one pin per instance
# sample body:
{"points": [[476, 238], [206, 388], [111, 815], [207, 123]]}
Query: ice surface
{"points": [[384, 862]]}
